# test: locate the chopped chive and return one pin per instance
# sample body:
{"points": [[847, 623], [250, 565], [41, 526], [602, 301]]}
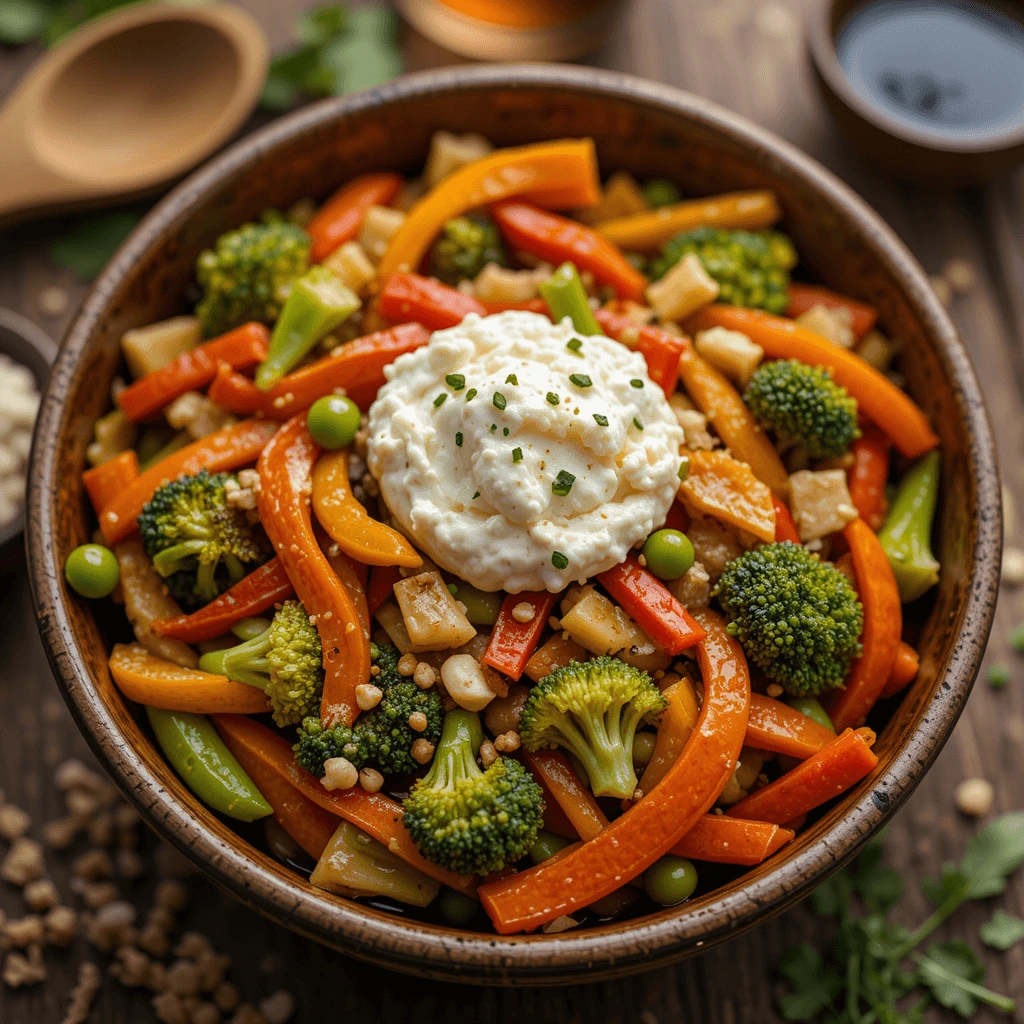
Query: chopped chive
{"points": [[517, 455], [512, 379], [494, 427], [684, 469], [581, 380], [505, 431], [602, 421], [471, 394], [552, 398], [637, 424], [456, 381], [636, 382], [475, 496], [499, 400], [574, 345], [562, 484], [458, 439], [440, 400], [558, 560]]}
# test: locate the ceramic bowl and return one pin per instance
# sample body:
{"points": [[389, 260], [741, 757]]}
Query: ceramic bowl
{"points": [[651, 130]]}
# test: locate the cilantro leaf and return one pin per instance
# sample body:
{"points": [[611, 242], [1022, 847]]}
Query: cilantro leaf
{"points": [[952, 886], [880, 887], [832, 897], [1003, 931], [993, 854], [953, 974], [321, 24], [814, 986], [87, 247]]}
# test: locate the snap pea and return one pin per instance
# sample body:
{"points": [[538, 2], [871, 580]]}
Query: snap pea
{"points": [[546, 845], [813, 709], [482, 608], [670, 881], [198, 754]]}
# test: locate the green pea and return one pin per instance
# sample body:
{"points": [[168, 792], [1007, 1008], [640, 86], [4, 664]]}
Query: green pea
{"points": [[669, 554], [660, 192], [250, 628], [812, 708], [643, 748], [670, 881], [457, 908], [92, 570], [546, 845], [333, 421], [481, 607]]}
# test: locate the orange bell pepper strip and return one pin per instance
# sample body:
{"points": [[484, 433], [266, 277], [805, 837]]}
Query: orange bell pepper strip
{"points": [[649, 829], [878, 398], [784, 730], [904, 671], [647, 230], [569, 165], [717, 839], [375, 813], [556, 239], [382, 583], [868, 475], [677, 723], [285, 469], [259, 591], [803, 297], [340, 219], [193, 370], [159, 683], [227, 449], [357, 366], [883, 623], [352, 576], [824, 775], [661, 350], [785, 528], [512, 642], [646, 600], [425, 300], [726, 489], [103, 483], [349, 525], [557, 777]]}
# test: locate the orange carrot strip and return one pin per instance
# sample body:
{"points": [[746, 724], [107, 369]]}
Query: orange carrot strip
{"points": [[778, 727], [352, 576], [677, 723], [227, 449], [726, 489], [105, 482], [868, 475], [340, 218], [904, 670], [803, 297], [578, 803], [375, 813], [349, 524], [879, 399], [883, 623], [649, 829], [717, 839], [158, 683], [285, 469], [382, 582], [512, 642], [785, 528], [824, 775]]}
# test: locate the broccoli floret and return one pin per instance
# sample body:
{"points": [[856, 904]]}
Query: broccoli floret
{"points": [[593, 710], [382, 737], [248, 273], [467, 820], [804, 406], [285, 660], [197, 541], [465, 247], [797, 617], [751, 267]]}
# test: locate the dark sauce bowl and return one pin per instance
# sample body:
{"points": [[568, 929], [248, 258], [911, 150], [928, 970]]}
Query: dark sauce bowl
{"points": [[941, 120]]}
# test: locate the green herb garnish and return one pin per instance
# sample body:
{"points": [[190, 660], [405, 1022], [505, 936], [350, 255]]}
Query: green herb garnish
{"points": [[471, 394], [684, 469], [512, 379], [458, 439], [636, 382], [558, 560], [562, 484], [574, 345], [440, 400], [581, 380], [517, 455], [552, 398], [456, 381], [602, 421], [498, 400], [637, 424]]}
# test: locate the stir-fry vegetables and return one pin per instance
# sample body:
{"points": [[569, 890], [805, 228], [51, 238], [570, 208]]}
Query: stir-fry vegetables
{"points": [[495, 542]]}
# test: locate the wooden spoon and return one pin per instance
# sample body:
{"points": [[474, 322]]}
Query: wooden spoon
{"points": [[126, 104]]}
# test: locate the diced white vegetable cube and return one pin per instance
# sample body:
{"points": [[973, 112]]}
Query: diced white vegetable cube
{"points": [[466, 683], [450, 152], [113, 433], [821, 502], [732, 352], [352, 266], [875, 348], [683, 290], [433, 618], [498, 284], [146, 349], [379, 225], [831, 324]]}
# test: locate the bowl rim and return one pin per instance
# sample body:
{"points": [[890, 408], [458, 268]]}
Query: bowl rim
{"points": [[451, 953]]}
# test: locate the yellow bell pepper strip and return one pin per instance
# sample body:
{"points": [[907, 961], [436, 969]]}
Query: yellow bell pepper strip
{"points": [[585, 873], [103, 483], [318, 303], [647, 230], [674, 728], [350, 526], [722, 487], [878, 398], [285, 469], [568, 165], [230, 448], [158, 683]]}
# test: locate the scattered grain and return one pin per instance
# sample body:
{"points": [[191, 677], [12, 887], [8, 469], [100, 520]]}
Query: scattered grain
{"points": [[83, 993], [371, 780], [974, 797], [507, 742], [24, 862], [41, 895], [422, 751], [14, 822], [61, 926]]}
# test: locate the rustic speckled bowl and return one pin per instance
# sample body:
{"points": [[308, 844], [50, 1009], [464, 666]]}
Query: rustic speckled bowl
{"points": [[651, 130]]}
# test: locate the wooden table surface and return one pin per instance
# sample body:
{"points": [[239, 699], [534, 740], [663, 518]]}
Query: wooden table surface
{"points": [[748, 56]]}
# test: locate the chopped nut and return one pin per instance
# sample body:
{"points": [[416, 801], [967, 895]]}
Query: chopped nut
{"points": [[371, 780], [523, 612], [126, 817], [339, 773], [169, 1008], [24, 862], [154, 940], [192, 945], [1013, 567], [488, 753], [82, 803], [422, 751], [100, 829], [95, 895], [160, 917], [507, 742], [974, 797], [156, 979], [14, 822], [368, 696], [130, 865], [206, 1013], [417, 721], [26, 931], [278, 1007], [112, 926], [20, 970], [248, 1014], [82, 995], [407, 665], [40, 895], [61, 925], [93, 864], [466, 683], [130, 967], [696, 435], [183, 978], [424, 676]]}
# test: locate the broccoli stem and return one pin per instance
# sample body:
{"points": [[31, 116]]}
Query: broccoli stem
{"points": [[245, 663], [599, 746], [455, 757], [173, 559], [906, 535], [566, 297]]}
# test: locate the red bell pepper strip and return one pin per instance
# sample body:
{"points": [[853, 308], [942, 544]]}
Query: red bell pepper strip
{"points": [[357, 366], [259, 591], [661, 349], [717, 839], [285, 469], [784, 730], [785, 528], [558, 778], [382, 582], [537, 305], [677, 518], [803, 297], [653, 607], [103, 483], [548, 236], [824, 775], [868, 475], [513, 642], [227, 449], [340, 219], [193, 370], [883, 623], [904, 670], [375, 813], [652, 827], [428, 302]]}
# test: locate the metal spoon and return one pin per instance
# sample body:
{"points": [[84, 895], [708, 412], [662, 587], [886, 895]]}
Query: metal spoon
{"points": [[126, 104]]}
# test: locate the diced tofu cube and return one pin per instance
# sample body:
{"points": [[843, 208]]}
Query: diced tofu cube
{"points": [[450, 152], [352, 266], [683, 290], [695, 429], [498, 284], [831, 324], [113, 433], [732, 352], [693, 588], [875, 348], [433, 618], [821, 502], [197, 414], [597, 624], [379, 225], [148, 348]]}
